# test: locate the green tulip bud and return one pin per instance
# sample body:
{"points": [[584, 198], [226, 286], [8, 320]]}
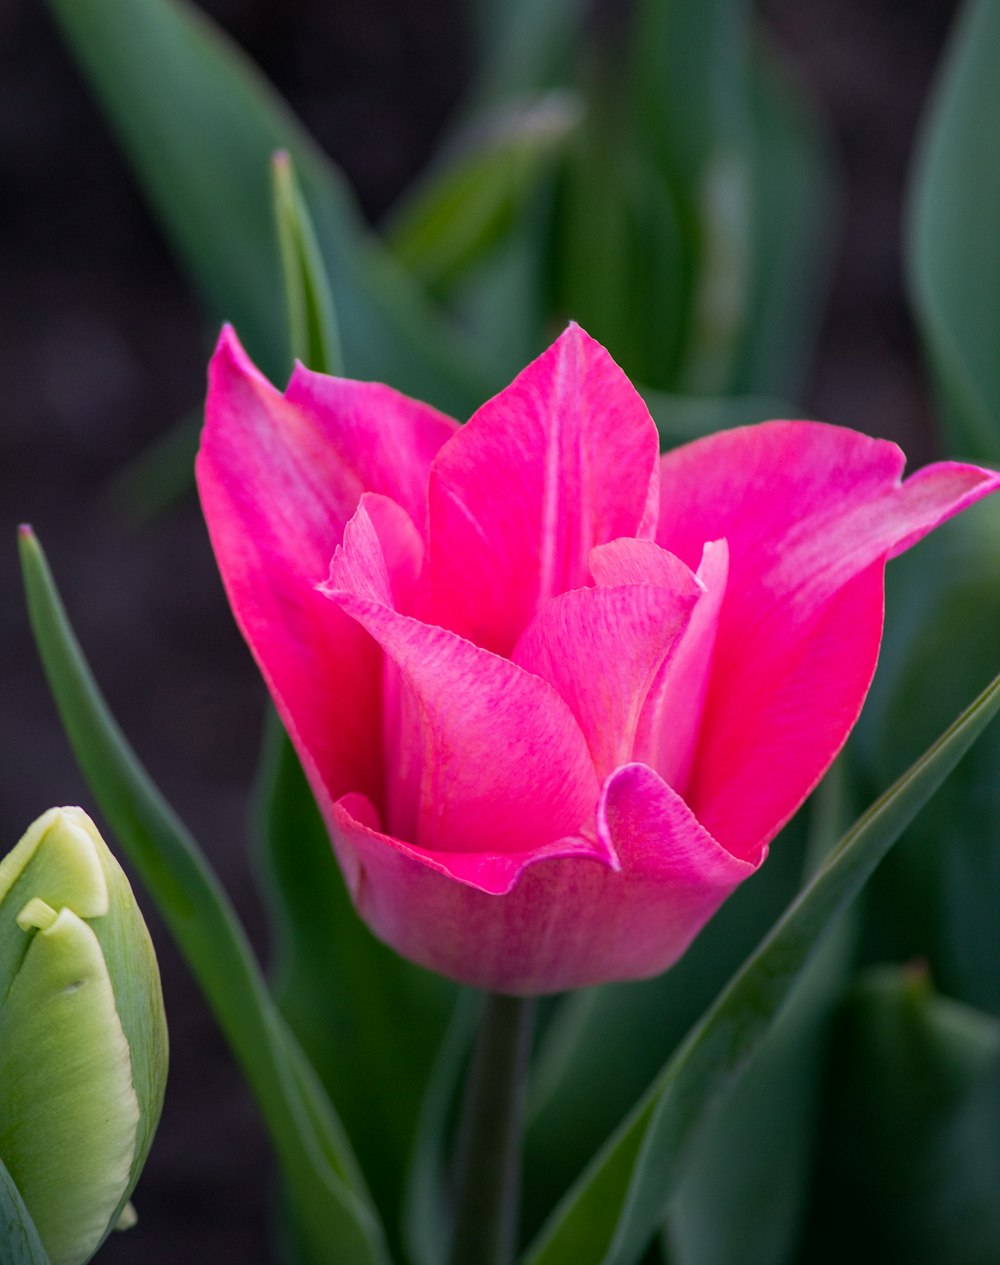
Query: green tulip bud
{"points": [[83, 1038]]}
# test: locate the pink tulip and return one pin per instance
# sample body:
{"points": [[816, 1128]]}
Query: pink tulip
{"points": [[555, 694]]}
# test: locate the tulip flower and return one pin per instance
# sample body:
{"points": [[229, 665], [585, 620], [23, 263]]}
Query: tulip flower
{"points": [[83, 1042], [555, 694]]}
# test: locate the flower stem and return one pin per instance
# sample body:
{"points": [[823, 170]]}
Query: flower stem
{"points": [[488, 1148]]}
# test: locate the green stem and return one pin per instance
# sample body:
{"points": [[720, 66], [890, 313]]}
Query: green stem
{"points": [[488, 1150]]}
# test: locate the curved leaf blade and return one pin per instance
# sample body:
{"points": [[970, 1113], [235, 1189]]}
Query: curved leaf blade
{"points": [[953, 248], [314, 334], [613, 1210]]}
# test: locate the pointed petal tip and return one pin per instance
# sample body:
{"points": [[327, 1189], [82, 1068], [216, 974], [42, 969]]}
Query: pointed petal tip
{"points": [[230, 361]]}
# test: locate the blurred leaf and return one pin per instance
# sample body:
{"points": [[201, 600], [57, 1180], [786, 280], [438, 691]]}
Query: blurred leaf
{"points": [[792, 196], [314, 336], [335, 1215], [467, 202], [612, 1211], [19, 1241], [744, 1192], [748, 172], [689, 80], [426, 1209], [617, 255], [369, 1021], [938, 895], [681, 418], [524, 47], [200, 124], [912, 1144], [953, 249]]}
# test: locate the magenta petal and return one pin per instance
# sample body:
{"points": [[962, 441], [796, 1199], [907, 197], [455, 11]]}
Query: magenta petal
{"points": [[484, 756], [388, 439], [562, 460], [569, 921], [279, 477], [603, 648], [495, 873], [811, 513]]}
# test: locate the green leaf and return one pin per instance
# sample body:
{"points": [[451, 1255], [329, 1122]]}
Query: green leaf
{"points": [[792, 208], [681, 418], [618, 261], [524, 47], [19, 1241], [426, 1218], [947, 864], [953, 247], [613, 1210], [745, 1189], [313, 333], [200, 124], [331, 1203], [372, 1038], [915, 1090], [464, 206], [602, 1047]]}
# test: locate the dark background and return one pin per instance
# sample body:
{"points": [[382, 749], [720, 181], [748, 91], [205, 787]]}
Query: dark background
{"points": [[102, 348]]}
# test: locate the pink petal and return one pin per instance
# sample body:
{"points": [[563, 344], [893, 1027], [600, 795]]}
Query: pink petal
{"points": [[671, 721], [603, 648], [564, 459], [279, 477], [483, 757], [568, 922], [388, 439], [811, 513]]}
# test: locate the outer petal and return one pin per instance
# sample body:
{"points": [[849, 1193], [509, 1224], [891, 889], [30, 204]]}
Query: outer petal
{"points": [[564, 459], [603, 649], [811, 514], [279, 477], [569, 922], [483, 757]]}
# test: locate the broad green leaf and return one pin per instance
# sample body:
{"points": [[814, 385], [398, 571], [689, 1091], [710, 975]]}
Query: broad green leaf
{"points": [[464, 206], [744, 1192], [426, 1219], [331, 1203], [613, 1210], [200, 124], [953, 247], [792, 208], [915, 1091], [19, 1241], [748, 173], [617, 256], [524, 47], [373, 1036], [314, 336], [948, 862]]}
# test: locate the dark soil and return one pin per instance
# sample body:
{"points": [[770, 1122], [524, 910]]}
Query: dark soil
{"points": [[102, 349]]}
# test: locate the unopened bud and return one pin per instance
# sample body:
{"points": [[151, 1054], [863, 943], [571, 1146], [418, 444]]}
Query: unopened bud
{"points": [[83, 1039]]}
